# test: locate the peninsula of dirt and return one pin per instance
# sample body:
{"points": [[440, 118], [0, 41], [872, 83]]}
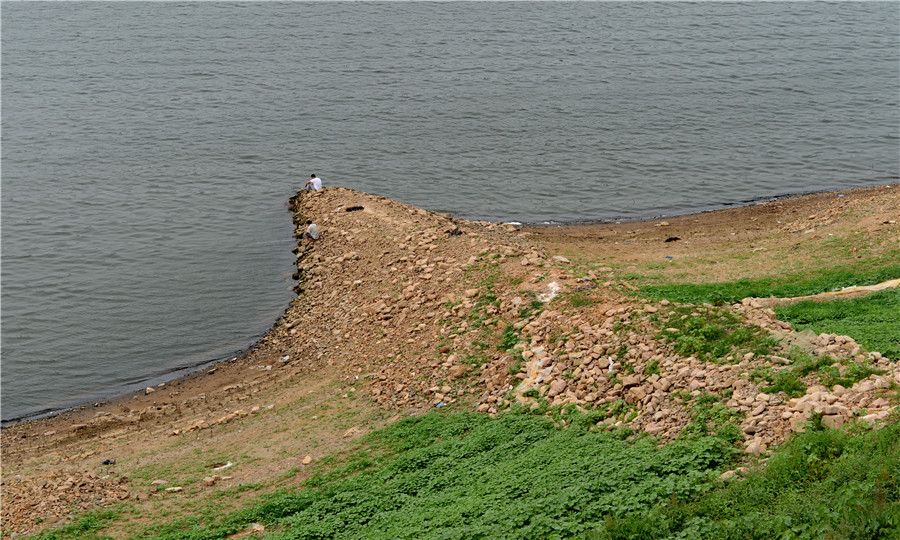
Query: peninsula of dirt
{"points": [[400, 311]]}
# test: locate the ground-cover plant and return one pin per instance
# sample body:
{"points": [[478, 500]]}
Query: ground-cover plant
{"points": [[828, 372], [579, 299], [787, 381], [820, 484], [508, 338], [471, 476], [848, 376], [711, 333], [783, 287], [873, 320], [85, 527], [709, 416]]}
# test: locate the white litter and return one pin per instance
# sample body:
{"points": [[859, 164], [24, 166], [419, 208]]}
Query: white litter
{"points": [[553, 290]]}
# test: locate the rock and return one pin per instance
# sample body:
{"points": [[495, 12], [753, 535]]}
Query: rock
{"points": [[756, 447], [636, 394], [149, 390], [758, 410], [557, 387], [836, 409], [798, 422], [175, 489], [458, 371], [726, 475], [631, 380], [210, 480], [879, 403], [471, 293], [874, 418], [560, 258], [832, 421], [307, 459]]}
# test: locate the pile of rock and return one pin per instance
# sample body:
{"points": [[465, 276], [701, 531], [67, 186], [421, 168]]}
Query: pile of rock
{"points": [[59, 494]]}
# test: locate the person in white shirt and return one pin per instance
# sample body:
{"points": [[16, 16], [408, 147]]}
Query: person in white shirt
{"points": [[312, 232], [315, 182]]}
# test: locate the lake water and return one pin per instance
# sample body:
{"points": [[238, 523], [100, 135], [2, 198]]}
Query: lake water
{"points": [[149, 149]]}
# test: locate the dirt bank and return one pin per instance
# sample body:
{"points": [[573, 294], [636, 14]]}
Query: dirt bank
{"points": [[402, 310]]}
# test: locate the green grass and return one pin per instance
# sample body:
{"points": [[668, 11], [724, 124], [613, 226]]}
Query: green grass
{"points": [[830, 484], [782, 287], [873, 320]]}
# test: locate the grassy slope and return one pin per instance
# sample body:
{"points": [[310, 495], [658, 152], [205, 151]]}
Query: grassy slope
{"points": [[520, 476]]}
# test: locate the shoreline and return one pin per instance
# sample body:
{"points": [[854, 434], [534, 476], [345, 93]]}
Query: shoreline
{"points": [[575, 227], [720, 207]]}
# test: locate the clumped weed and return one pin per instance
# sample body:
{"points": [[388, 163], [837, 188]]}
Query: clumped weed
{"points": [[712, 334], [709, 416], [848, 376], [508, 338]]}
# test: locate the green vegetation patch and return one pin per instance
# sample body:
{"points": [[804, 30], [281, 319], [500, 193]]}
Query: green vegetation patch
{"points": [[847, 376], [783, 287], [821, 484], [873, 320], [711, 334], [471, 476], [84, 527], [709, 416], [828, 372], [579, 299]]}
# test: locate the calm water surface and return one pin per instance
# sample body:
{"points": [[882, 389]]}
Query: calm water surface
{"points": [[149, 148]]}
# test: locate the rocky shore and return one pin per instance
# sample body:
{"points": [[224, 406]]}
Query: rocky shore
{"points": [[401, 310]]}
